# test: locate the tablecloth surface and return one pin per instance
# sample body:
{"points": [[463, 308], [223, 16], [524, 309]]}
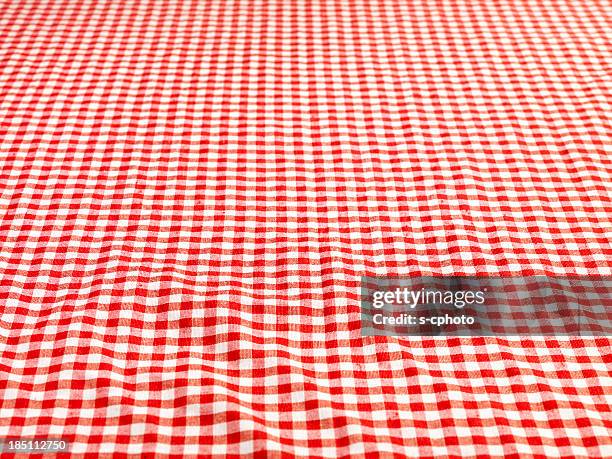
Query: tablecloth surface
{"points": [[191, 190]]}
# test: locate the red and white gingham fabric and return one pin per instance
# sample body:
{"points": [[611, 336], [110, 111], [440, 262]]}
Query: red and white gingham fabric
{"points": [[191, 190]]}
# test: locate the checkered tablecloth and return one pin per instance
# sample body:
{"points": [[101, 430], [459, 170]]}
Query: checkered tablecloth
{"points": [[191, 190]]}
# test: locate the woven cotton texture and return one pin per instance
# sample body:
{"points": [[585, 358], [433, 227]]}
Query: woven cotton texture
{"points": [[191, 190]]}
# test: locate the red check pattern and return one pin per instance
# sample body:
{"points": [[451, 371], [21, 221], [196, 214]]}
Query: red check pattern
{"points": [[191, 190]]}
